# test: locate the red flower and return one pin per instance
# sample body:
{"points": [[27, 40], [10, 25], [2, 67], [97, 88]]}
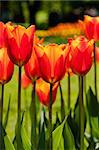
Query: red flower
{"points": [[32, 69], [2, 35], [91, 25], [81, 55], [6, 66], [52, 59], [43, 91], [20, 42], [25, 81]]}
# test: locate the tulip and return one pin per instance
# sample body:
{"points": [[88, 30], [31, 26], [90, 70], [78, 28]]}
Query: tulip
{"points": [[53, 58], [91, 27], [20, 42], [6, 67], [43, 91], [6, 72], [32, 69], [2, 35], [25, 81], [81, 62], [81, 55]]}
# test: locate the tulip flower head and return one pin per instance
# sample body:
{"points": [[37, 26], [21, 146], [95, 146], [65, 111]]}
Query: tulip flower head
{"points": [[6, 66], [32, 69], [52, 59], [81, 55], [43, 91], [2, 35], [20, 42], [91, 25], [25, 81]]}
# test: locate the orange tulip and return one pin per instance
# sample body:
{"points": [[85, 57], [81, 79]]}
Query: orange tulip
{"points": [[81, 55], [25, 81], [91, 25], [32, 69], [97, 54], [6, 66], [52, 59], [20, 42], [2, 35], [43, 91]]}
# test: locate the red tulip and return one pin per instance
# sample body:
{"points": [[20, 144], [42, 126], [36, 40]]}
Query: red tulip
{"points": [[43, 91], [25, 81], [52, 59], [6, 66], [81, 55], [20, 42], [2, 35], [97, 54], [91, 25], [32, 69]]}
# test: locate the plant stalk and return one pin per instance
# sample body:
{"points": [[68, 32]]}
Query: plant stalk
{"points": [[62, 103], [81, 111], [95, 71], [69, 91], [50, 119], [33, 119], [1, 118], [19, 110]]}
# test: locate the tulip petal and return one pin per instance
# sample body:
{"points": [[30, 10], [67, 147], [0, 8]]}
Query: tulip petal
{"points": [[13, 51], [59, 70], [25, 49], [45, 67]]}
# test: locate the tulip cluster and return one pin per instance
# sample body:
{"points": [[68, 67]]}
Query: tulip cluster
{"points": [[44, 65]]}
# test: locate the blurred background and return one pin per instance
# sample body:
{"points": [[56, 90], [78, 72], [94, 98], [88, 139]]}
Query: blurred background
{"points": [[45, 14]]}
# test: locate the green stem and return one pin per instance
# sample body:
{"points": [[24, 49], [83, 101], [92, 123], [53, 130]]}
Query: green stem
{"points": [[33, 119], [62, 103], [1, 118], [95, 71], [81, 111], [50, 119], [69, 91], [19, 110]]}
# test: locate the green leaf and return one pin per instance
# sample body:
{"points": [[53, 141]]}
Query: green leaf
{"points": [[92, 103], [57, 122], [7, 113], [61, 144], [69, 139], [8, 144], [18, 138], [25, 139], [57, 135], [95, 126]]}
